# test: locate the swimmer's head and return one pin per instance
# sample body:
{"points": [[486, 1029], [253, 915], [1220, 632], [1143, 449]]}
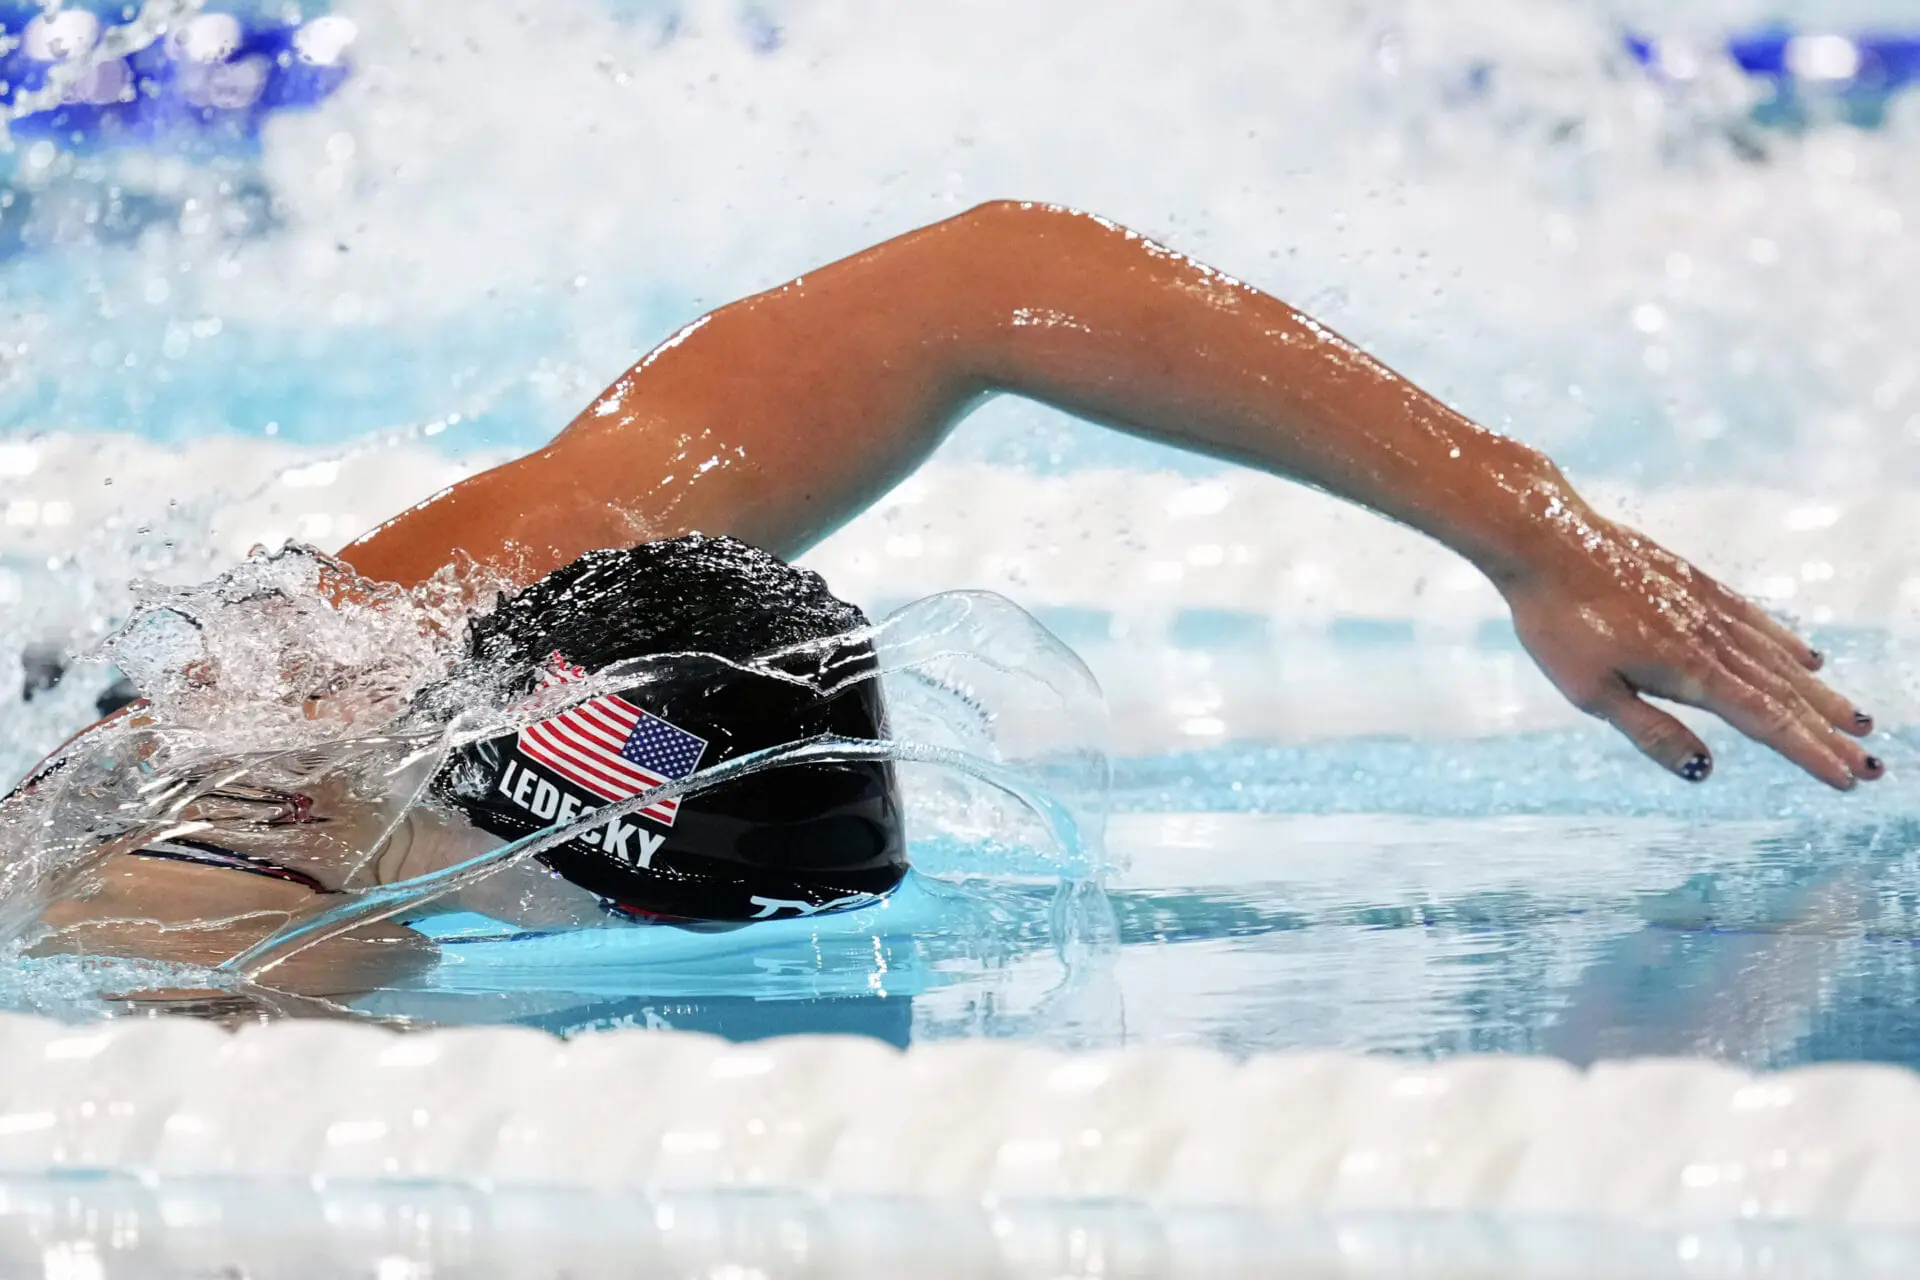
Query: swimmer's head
{"points": [[789, 840]]}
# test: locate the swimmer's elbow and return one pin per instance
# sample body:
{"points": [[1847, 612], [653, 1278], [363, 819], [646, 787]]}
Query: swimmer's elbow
{"points": [[1009, 223], [1003, 210], [1029, 212]]}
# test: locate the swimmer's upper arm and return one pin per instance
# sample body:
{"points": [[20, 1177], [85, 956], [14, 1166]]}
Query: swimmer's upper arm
{"points": [[774, 419], [158, 909]]}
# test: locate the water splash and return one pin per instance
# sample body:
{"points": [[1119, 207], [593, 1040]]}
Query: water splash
{"points": [[288, 648], [1000, 726]]}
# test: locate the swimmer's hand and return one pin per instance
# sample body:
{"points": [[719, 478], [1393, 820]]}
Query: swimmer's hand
{"points": [[1614, 618]]}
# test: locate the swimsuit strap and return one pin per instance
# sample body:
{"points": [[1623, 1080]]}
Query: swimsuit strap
{"points": [[205, 854]]}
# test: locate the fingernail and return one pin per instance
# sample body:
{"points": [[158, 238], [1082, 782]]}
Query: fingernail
{"points": [[1874, 764], [1817, 656], [1697, 768], [1862, 721]]}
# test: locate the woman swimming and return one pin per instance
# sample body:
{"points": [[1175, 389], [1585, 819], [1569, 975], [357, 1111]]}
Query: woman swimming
{"points": [[762, 656], [775, 419]]}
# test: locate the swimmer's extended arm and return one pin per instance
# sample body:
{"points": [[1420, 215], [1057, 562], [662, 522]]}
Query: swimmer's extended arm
{"points": [[150, 909], [779, 417]]}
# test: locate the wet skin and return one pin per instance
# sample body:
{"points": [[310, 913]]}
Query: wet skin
{"points": [[779, 417]]}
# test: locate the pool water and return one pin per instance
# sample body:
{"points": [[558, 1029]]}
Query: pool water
{"points": [[1332, 860], [1326, 831], [1583, 931]]}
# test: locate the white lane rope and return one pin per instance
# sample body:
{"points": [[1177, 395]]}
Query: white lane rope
{"points": [[1655, 1140]]}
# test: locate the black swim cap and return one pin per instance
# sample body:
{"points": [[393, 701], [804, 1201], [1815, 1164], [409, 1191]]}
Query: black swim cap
{"points": [[793, 840]]}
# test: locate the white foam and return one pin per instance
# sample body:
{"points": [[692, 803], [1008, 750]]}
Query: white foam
{"points": [[1137, 552], [1144, 543], [1139, 544], [325, 40], [61, 36], [1662, 1140], [211, 37]]}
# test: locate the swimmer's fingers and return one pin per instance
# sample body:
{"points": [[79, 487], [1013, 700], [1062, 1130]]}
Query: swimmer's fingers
{"points": [[1660, 737], [1759, 699], [1804, 655], [1758, 704], [1805, 660], [1834, 707], [1775, 696]]}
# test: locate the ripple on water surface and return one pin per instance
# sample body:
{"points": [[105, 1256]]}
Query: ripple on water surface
{"points": [[1614, 912]]}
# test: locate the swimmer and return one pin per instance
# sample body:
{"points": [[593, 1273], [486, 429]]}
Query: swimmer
{"points": [[775, 419], [765, 656]]}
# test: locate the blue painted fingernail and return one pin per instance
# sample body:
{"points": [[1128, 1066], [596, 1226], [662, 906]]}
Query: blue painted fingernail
{"points": [[1697, 768]]}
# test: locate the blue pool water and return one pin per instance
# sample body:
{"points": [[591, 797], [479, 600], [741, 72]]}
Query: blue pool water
{"points": [[1379, 895]]}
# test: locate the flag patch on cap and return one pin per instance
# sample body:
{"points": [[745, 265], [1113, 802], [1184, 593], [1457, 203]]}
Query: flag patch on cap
{"points": [[610, 747]]}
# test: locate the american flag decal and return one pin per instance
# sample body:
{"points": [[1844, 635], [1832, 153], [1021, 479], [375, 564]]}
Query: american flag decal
{"points": [[610, 747]]}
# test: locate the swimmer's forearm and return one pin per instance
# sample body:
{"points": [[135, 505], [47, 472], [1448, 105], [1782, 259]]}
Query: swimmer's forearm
{"points": [[1092, 318]]}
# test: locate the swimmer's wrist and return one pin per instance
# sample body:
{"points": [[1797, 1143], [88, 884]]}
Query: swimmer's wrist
{"points": [[1525, 522]]}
